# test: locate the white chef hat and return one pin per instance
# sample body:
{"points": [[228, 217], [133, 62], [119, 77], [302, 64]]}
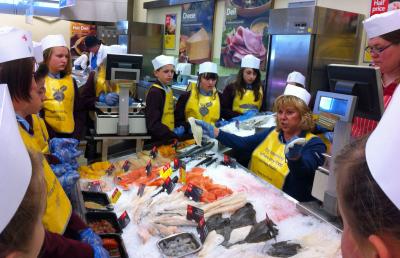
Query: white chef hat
{"points": [[15, 161], [53, 41], [250, 61], [37, 51], [208, 67], [296, 77], [299, 92], [162, 60], [382, 151], [14, 44], [382, 23]]}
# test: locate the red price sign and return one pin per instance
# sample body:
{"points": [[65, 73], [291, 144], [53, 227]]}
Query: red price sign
{"points": [[379, 6]]}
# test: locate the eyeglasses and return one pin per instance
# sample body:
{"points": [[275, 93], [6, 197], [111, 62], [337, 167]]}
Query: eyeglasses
{"points": [[376, 50]]}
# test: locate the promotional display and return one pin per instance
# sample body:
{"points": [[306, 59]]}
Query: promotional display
{"points": [[245, 31], [170, 31], [78, 33], [196, 32]]}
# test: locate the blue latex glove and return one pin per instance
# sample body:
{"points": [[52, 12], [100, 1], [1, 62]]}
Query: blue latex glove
{"points": [[61, 169], [89, 237], [68, 180], [294, 148], [248, 114], [179, 131], [329, 136], [102, 97], [208, 129], [61, 143], [221, 123], [112, 99], [67, 155]]}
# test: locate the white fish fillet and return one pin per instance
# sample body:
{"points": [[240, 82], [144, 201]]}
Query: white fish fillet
{"points": [[239, 234], [212, 241], [196, 130]]}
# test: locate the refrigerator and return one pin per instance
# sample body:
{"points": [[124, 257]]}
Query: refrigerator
{"points": [[307, 39]]}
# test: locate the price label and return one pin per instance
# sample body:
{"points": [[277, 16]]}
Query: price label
{"points": [[175, 144], [126, 165], [94, 186], [115, 195], [194, 213], [148, 168], [202, 229], [153, 152], [166, 171], [169, 184], [177, 163], [141, 190], [193, 192], [124, 219], [182, 174], [110, 170]]}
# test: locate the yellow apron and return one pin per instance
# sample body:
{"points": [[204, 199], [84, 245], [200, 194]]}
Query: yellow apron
{"points": [[268, 160], [206, 108], [40, 133], [247, 102], [58, 208], [59, 104], [101, 84], [168, 118]]}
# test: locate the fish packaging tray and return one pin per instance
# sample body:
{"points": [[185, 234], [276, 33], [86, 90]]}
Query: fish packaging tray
{"points": [[96, 197], [97, 217], [121, 247], [179, 245]]}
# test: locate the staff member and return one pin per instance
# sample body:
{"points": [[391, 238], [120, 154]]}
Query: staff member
{"points": [[203, 101], [66, 235], [159, 110], [277, 153], [98, 52], [22, 195], [383, 32], [368, 191], [246, 93]]}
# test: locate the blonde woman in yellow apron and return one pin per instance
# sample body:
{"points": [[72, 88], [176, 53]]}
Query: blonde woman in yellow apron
{"points": [[287, 155], [159, 111], [246, 92], [203, 101]]}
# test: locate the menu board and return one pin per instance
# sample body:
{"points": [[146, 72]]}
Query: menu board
{"points": [[196, 32], [245, 31]]}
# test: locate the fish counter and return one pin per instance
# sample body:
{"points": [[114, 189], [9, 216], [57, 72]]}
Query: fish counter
{"points": [[151, 204]]}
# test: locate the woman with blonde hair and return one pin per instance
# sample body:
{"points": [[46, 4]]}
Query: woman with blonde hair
{"points": [[286, 155]]}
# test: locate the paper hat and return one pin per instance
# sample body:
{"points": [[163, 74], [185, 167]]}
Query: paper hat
{"points": [[299, 92], [162, 60], [53, 41], [250, 61], [15, 161], [382, 151], [208, 67], [37, 51], [14, 44], [296, 77], [382, 23]]}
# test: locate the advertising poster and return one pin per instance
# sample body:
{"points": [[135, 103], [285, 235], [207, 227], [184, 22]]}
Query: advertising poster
{"points": [[380, 6], [78, 33], [67, 3], [245, 31], [196, 32], [170, 31]]}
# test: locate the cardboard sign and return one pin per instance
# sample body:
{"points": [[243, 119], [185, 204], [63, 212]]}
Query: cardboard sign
{"points": [[202, 229], [194, 213], [194, 192], [166, 171], [124, 219], [115, 195]]}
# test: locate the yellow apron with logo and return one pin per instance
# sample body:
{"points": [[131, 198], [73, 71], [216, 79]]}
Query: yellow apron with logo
{"points": [[268, 160], [247, 102], [59, 104], [101, 84], [168, 118], [58, 208], [206, 108], [40, 133]]}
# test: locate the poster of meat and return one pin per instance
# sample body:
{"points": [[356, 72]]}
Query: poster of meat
{"points": [[245, 31], [196, 32], [78, 33]]}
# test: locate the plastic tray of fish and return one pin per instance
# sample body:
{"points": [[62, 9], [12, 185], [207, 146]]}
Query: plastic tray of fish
{"points": [[179, 245]]}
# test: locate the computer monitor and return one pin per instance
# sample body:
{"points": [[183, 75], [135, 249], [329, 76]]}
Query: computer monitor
{"points": [[361, 81], [340, 105], [123, 67]]}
